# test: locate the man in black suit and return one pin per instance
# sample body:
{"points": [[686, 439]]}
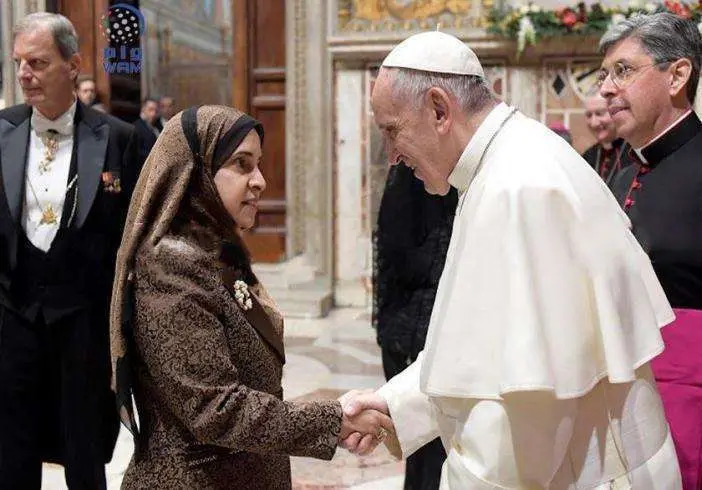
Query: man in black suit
{"points": [[146, 127], [166, 110], [66, 174]]}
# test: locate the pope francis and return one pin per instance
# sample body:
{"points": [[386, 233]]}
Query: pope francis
{"points": [[536, 368]]}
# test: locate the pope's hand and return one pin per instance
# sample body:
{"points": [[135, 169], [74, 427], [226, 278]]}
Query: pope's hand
{"points": [[369, 411]]}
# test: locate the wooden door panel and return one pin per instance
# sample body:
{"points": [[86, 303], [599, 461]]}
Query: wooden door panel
{"points": [[259, 89], [273, 165], [269, 25]]}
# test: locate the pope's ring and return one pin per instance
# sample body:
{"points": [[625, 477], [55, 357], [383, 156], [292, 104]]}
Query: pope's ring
{"points": [[381, 434]]}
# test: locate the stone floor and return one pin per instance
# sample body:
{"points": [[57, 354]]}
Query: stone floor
{"points": [[325, 358]]}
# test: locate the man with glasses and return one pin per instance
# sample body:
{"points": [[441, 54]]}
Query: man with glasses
{"points": [[649, 77]]}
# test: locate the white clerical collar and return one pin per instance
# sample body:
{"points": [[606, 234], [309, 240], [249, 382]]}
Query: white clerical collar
{"points": [[639, 151], [467, 166], [62, 124]]}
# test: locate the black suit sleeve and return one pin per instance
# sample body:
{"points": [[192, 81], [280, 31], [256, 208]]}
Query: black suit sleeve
{"points": [[131, 163], [145, 138]]}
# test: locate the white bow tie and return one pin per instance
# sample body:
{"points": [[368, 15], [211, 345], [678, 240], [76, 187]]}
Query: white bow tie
{"points": [[62, 124]]}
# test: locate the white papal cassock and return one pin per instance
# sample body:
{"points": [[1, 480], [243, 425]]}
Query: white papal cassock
{"points": [[535, 372]]}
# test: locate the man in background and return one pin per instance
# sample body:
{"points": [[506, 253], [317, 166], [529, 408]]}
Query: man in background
{"points": [[86, 90], [166, 109], [610, 154], [146, 127]]}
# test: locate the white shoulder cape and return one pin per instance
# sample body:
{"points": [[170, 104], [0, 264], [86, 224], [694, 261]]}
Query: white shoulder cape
{"points": [[544, 287]]}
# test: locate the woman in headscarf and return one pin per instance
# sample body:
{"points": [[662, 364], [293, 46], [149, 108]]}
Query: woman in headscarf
{"points": [[194, 335]]}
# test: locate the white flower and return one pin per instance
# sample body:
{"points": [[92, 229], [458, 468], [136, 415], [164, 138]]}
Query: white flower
{"points": [[534, 8], [616, 19], [651, 7], [526, 33], [635, 4], [524, 9]]}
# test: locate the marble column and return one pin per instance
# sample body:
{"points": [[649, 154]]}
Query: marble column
{"points": [[302, 285], [525, 91], [351, 246]]}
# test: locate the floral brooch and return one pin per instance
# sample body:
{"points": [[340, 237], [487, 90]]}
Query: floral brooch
{"points": [[242, 295]]}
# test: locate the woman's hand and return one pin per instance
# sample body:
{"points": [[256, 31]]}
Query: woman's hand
{"points": [[365, 422]]}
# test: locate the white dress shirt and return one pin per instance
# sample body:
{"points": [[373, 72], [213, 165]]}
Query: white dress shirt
{"points": [[50, 187]]}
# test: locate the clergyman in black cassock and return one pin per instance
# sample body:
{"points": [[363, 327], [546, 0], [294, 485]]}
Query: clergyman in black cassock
{"points": [[655, 68]]}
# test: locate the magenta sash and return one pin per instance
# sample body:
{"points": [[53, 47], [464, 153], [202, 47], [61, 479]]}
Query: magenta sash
{"points": [[678, 372]]}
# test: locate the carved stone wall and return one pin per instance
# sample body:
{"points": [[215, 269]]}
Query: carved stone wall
{"points": [[401, 16]]}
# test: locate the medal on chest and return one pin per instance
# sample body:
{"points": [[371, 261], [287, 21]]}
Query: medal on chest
{"points": [[48, 216], [51, 144]]}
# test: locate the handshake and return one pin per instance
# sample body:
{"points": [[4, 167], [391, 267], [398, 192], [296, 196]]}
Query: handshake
{"points": [[366, 423]]}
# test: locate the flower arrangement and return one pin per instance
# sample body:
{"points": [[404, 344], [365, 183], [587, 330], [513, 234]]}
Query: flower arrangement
{"points": [[529, 23]]}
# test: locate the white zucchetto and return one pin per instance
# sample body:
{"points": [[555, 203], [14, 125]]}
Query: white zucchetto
{"points": [[435, 52]]}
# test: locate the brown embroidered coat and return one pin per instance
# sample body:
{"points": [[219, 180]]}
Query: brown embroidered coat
{"points": [[208, 386], [205, 373]]}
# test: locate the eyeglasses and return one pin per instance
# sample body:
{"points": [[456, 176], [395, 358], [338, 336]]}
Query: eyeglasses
{"points": [[622, 74]]}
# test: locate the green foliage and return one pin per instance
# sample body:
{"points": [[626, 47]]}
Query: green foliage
{"points": [[529, 23]]}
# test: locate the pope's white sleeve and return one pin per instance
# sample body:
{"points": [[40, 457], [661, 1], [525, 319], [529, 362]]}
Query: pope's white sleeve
{"points": [[411, 410]]}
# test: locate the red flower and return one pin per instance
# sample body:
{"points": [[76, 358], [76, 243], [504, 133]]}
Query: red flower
{"points": [[678, 8], [569, 18]]}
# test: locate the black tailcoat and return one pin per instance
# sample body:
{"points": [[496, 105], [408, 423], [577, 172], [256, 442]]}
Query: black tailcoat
{"points": [[54, 306]]}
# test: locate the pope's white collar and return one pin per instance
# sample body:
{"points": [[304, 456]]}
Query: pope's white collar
{"points": [[467, 166]]}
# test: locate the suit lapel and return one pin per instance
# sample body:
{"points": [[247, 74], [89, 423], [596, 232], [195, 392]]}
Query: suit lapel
{"points": [[13, 148], [257, 317], [91, 149], [14, 144], [262, 323]]}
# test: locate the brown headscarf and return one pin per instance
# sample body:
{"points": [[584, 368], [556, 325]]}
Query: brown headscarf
{"points": [[176, 187]]}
